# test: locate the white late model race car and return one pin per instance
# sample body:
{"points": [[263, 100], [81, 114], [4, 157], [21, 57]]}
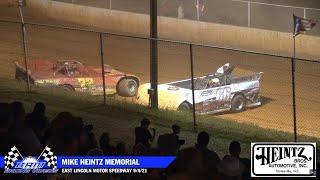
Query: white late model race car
{"points": [[227, 89]]}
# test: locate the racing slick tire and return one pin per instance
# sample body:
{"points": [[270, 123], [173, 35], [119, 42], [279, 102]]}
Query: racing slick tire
{"points": [[238, 103], [184, 107], [67, 87], [127, 87]]}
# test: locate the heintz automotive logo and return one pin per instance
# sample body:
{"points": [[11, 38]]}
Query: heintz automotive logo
{"points": [[283, 159]]}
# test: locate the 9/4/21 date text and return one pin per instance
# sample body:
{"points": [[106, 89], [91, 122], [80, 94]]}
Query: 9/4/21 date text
{"points": [[140, 170], [106, 170]]}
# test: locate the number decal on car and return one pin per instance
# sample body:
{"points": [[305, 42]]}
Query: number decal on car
{"points": [[223, 93], [85, 82]]}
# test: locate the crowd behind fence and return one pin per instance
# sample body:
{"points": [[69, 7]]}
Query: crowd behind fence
{"points": [[234, 12], [131, 54]]}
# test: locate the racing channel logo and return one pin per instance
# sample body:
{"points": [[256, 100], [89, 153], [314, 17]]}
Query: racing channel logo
{"points": [[283, 159], [15, 163]]}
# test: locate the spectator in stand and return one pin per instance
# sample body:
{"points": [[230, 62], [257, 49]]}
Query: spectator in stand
{"points": [[92, 152], [95, 152], [187, 165], [210, 157], [37, 114], [143, 135], [159, 173], [139, 149], [121, 149], [181, 10], [92, 142], [169, 144], [27, 136], [231, 168], [105, 145], [202, 143], [37, 121], [7, 141], [235, 150], [68, 136]]}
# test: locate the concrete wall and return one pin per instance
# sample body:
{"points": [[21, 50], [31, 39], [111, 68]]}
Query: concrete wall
{"points": [[184, 30], [240, 37]]}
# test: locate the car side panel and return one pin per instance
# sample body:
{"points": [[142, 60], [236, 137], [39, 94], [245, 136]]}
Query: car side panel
{"points": [[219, 99], [42, 74]]}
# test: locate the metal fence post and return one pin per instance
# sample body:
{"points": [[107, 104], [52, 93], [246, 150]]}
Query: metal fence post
{"points": [[249, 14], [293, 69], [294, 99], [110, 4], [102, 68], [198, 13], [154, 53], [192, 86], [24, 47]]}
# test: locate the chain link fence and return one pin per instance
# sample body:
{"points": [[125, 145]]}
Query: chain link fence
{"points": [[234, 12], [131, 55], [275, 86], [11, 48], [307, 95]]}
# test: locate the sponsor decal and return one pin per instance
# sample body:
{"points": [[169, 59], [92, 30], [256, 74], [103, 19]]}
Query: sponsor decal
{"points": [[206, 93], [173, 88], [283, 159], [14, 162], [71, 79], [48, 81]]}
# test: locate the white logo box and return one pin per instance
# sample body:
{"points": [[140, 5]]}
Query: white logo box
{"points": [[283, 159]]}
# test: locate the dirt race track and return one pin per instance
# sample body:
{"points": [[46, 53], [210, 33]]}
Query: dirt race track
{"points": [[132, 55]]}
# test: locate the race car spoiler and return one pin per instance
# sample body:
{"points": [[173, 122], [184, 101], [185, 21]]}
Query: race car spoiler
{"points": [[254, 77]]}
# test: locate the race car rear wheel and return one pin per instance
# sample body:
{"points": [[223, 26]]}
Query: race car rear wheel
{"points": [[67, 87], [127, 87], [238, 103], [184, 107]]}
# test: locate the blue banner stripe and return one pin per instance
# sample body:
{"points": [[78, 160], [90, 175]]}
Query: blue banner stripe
{"points": [[110, 161], [1, 161], [114, 161]]}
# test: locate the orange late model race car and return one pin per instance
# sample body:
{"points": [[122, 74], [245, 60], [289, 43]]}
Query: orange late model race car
{"points": [[74, 76]]}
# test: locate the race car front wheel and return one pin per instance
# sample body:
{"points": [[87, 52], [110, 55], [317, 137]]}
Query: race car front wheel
{"points": [[128, 87], [184, 107], [238, 103]]}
